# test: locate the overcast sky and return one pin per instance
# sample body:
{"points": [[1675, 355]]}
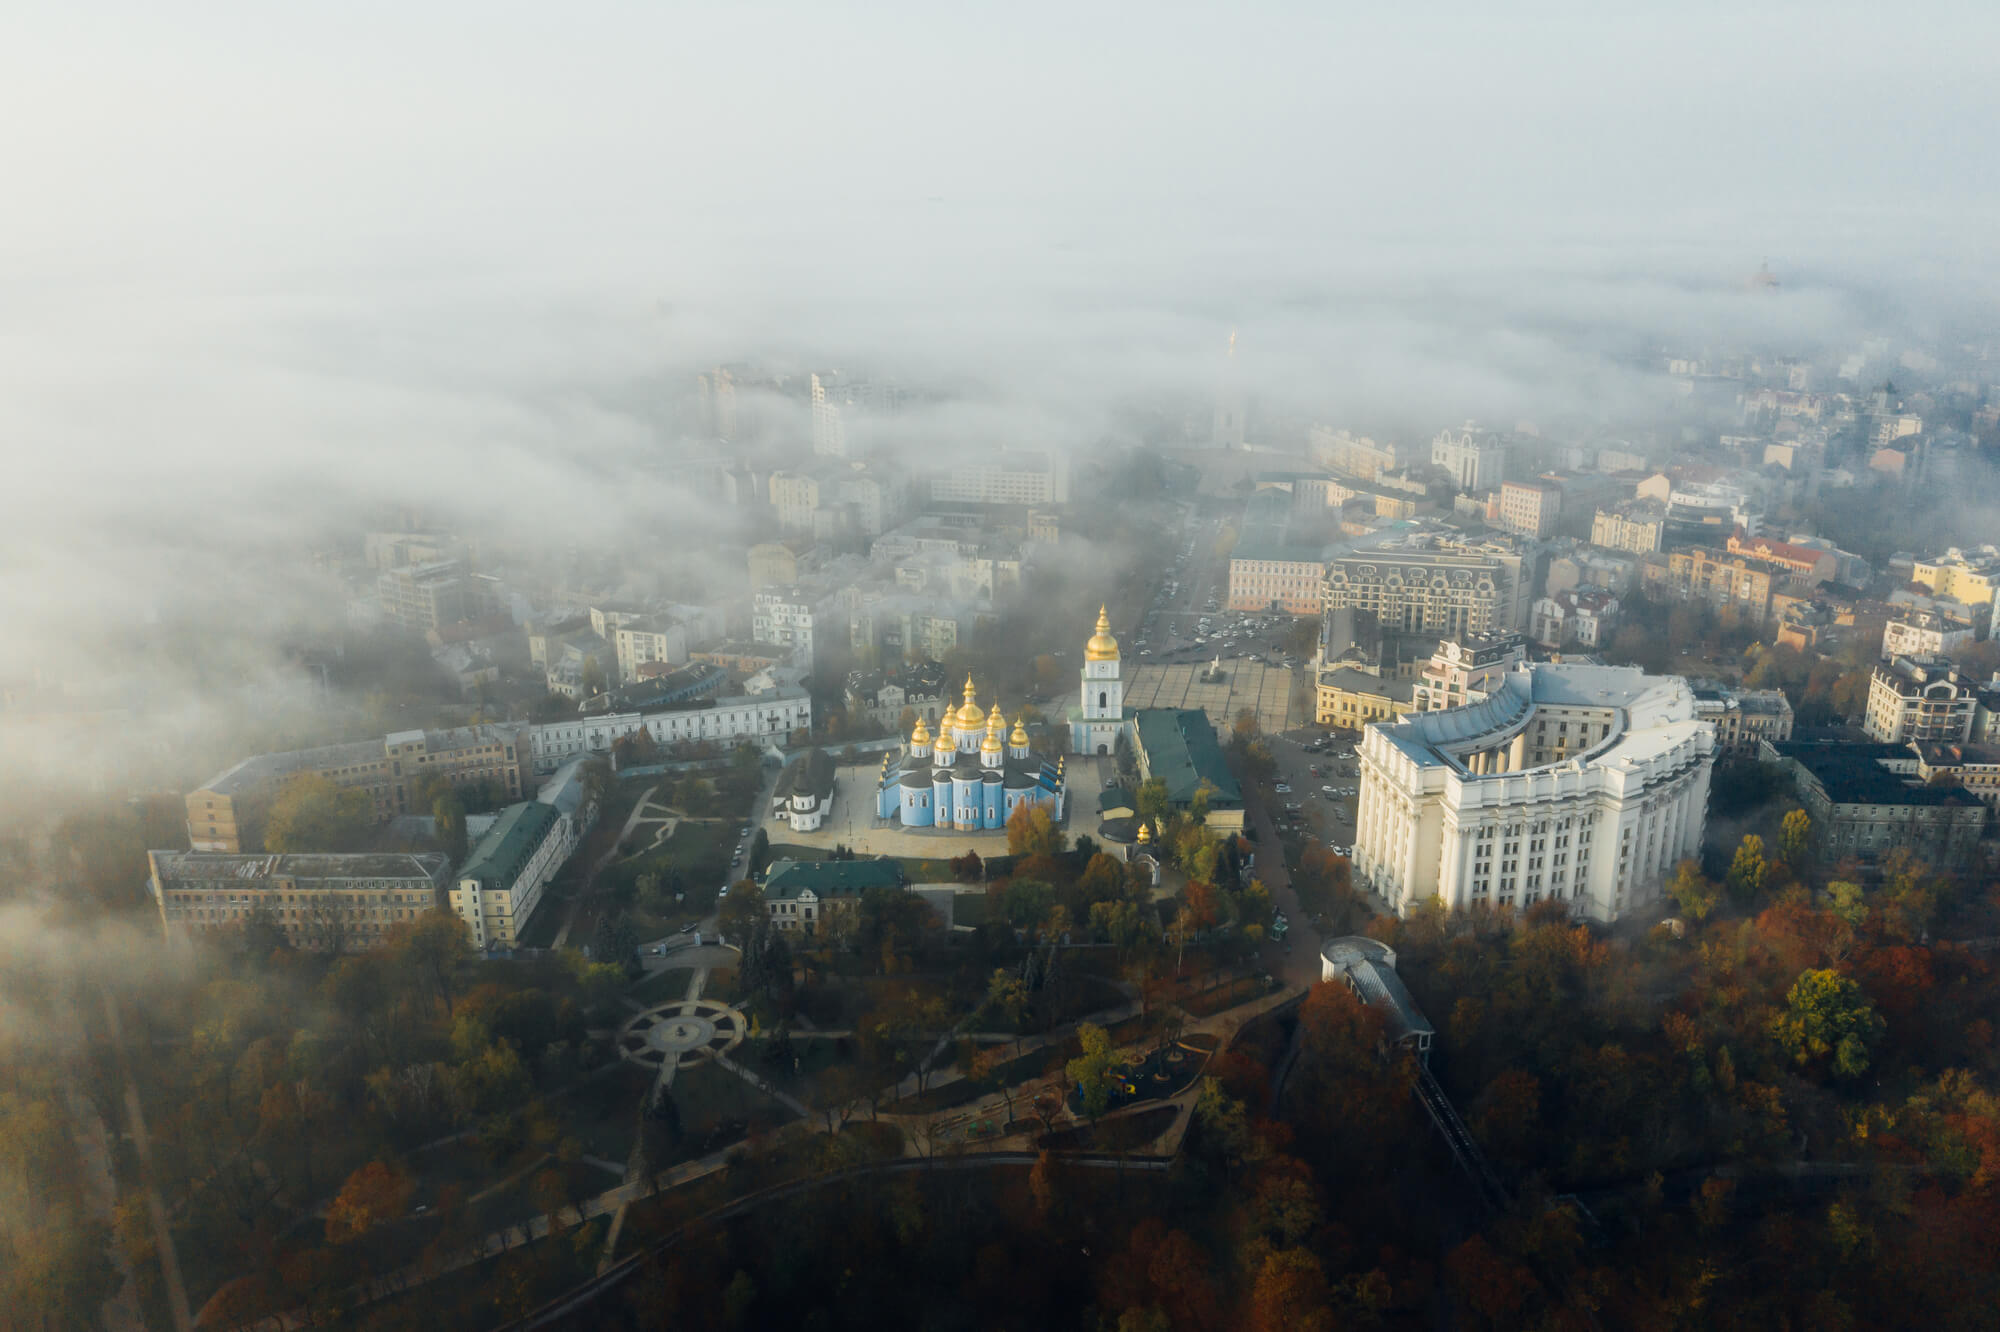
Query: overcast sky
{"points": [[258, 255]]}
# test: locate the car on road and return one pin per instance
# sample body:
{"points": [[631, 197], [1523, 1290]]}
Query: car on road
{"points": [[1328, 789], [1282, 788], [689, 927]]}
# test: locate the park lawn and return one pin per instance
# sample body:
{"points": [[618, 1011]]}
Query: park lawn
{"points": [[662, 986], [718, 1108], [603, 1112], [698, 852]]}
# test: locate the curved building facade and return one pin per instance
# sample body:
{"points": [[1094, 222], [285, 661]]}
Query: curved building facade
{"points": [[1581, 784]]}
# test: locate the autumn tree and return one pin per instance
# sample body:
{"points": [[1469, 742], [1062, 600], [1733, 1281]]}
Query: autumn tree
{"points": [[1827, 1018], [310, 813], [1149, 801], [1693, 893], [372, 1195], [1747, 869], [1290, 1294], [1795, 838], [1094, 1070], [1031, 832]]}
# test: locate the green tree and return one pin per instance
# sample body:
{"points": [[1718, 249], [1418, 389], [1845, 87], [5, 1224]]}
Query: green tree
{"points": [[1795, 838], [1827, 1017], [1746, 870], [1692, 893], [310, 813], [616, 942], [1093, 1070], [740, 911], [1007, 994], [1149, 801], [450, 815], [1848, 901], [593, 677]]}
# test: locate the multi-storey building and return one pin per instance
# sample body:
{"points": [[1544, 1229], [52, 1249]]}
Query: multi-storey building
{"points": [[1924, 633], [1637, 525], [1348, 453], [1920, 698], [1005, 477], [327, 903], [1810, 564], [794, 499], [1577, 784], [786, 617], [1968, 576], [426, 596], [1450, 594], [1721, 581], [1351, 699], [1275, 576], [1100, 716], [1743, 718], [226, 813], [1466, 670], [815, 896], [773, 715], [1475, 460], [1530, 507], [1581, 617], [648, 640], [497, 891], [1976, 767], [773, 562], [1866, 800], [882, 696]]}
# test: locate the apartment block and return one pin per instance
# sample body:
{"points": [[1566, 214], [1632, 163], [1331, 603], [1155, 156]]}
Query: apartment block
{"points": [[325, 903]]}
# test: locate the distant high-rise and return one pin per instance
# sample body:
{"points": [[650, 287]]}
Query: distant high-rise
{"points": [[1229, 403], [829, 420], [718, 404]]}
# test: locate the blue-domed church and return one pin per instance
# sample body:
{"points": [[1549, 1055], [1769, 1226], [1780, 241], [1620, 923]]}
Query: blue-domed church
{"points": [[970, 777]]}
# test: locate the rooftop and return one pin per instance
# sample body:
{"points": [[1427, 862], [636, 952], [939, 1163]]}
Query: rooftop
{"points": [[261, 870], [1855, 774], [500, 856], [1182, 750], [787, 879]]}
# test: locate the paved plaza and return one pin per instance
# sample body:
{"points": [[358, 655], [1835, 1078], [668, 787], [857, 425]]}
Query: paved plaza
{"points": [[1244, 684], [853, 822]]}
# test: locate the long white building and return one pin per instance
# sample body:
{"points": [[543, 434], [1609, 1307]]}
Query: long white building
{"points": [[775, 714], [1585, 784]]}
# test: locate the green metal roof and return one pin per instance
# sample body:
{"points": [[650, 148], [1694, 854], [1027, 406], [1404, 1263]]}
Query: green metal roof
{"points": [[786, 879], [507, 846], [1180, 748]]}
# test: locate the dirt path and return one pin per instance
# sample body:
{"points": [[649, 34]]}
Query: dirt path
{"points": [[142, 1145]]}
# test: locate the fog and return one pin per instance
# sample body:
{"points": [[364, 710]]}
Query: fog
{"points": [[267, 269]]}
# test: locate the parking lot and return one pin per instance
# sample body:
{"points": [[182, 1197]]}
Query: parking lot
{"points": [[1327, 818]]}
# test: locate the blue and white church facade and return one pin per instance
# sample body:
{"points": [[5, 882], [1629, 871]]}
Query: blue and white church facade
{"points": [[970, 777]]}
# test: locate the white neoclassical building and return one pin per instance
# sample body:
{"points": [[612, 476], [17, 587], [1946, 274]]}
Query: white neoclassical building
{"points": [[1585, 784]]}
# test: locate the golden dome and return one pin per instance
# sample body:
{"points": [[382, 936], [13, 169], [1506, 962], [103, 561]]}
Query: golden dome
{"points": [[1102, 646], [969, 713], [921, 737], [1145, 832], [1020, 737]]}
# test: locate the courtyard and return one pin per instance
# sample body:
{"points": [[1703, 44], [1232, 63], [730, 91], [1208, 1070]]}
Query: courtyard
{"points": [[853, 822], [1244, 684]]}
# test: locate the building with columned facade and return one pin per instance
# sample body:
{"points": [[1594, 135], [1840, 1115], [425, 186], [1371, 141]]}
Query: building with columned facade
{"points": [[1578, 784]]}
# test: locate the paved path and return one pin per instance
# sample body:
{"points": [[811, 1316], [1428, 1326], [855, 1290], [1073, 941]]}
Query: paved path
{"points": [[142, 1145], [613, 1202], [120, 1313], [590, 874]]}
